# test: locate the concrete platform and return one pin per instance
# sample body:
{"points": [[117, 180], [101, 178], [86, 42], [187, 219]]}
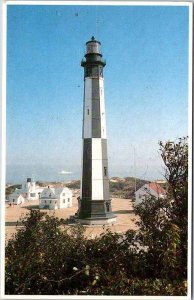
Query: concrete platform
{"points": [[100, 221]]}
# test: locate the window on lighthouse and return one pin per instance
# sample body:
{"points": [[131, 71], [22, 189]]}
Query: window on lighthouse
{"points": [[101, 72], [105, 171], [88, 111]]}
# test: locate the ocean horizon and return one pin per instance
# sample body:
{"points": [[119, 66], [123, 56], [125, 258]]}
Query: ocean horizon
{"points": [[16, 174]]}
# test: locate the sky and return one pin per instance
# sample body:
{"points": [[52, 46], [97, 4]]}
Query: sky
{"points": [[146, 86]]}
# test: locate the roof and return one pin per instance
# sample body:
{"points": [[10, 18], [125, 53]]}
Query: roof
{"points": [[156, 187], [17, 195], [55, 192], [58, 191], [17, 192], [93, 40]]}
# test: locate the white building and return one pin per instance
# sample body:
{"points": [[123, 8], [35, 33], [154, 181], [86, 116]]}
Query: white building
{"points": [[147, 190], [17, 198], [33, 191], [56, 198], [28, 191]]}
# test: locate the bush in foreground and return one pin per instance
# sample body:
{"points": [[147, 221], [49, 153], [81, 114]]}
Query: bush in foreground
{"points": [[45, 258]]}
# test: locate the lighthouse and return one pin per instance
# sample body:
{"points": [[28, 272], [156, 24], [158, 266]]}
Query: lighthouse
{"points": [[95, 203]]}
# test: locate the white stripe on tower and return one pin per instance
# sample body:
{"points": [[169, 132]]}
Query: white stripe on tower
{"points": [[97, 168], [102, 109], [87, 109], [81, 169], [97, 176]]}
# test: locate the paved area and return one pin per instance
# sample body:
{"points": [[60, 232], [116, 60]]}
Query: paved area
{"points": [[123, 208]]}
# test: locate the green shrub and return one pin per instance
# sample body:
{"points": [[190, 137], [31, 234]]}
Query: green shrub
{"points": [[45, 257], [163, 222]]}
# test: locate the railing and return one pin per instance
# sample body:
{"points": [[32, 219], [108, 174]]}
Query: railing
{"points": [[98, 60], [83, 60]]}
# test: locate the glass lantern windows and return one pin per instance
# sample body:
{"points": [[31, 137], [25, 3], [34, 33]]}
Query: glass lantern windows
{"points": [[93, 71], [93, 47]]}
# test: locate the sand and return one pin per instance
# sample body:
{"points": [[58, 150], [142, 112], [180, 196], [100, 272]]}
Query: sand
{"points": [[122, 208]]}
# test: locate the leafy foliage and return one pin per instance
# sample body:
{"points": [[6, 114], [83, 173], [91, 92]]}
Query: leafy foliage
{"points": [[125, 188], [163, 221], [46, 257], [175, 157]]}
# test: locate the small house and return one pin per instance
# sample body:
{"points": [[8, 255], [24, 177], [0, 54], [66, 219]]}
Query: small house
{"points": [[17, 198], [147, 190], [55, 198]]}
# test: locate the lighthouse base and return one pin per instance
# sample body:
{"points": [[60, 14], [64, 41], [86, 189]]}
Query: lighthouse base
{"points": [[95, 212], [99, 221]]}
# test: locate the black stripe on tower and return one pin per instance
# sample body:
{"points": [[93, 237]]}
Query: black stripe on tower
{"points": [[83, 113], [96, 114], [106, 195], [86, 178]]}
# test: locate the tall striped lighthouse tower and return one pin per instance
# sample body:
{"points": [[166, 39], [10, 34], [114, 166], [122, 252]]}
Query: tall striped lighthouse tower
{"points": [[95, 203]]}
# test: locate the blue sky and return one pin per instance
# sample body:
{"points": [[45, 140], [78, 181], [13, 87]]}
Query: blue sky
{"points": [[146, 86]]}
